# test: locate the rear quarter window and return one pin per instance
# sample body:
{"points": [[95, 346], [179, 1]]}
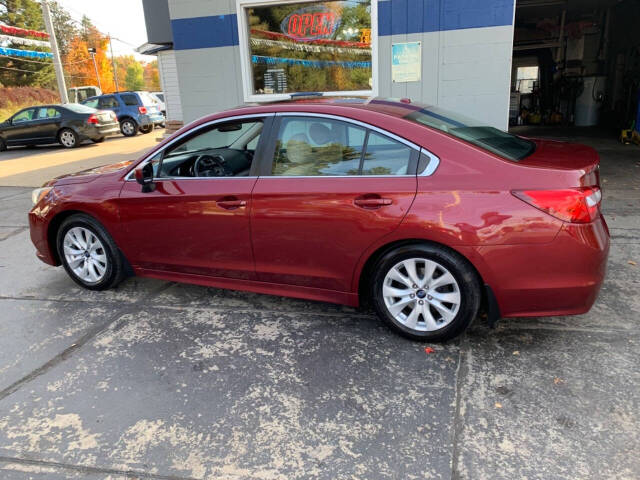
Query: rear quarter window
{"points": [[130, 99]]}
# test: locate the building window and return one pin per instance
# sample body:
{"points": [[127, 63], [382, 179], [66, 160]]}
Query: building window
{"points": [[309, 47], [526, 79]]}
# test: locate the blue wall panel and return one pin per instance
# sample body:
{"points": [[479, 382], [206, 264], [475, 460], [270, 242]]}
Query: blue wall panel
{"points": [[399, 17], [205, 32], [395, 17]]}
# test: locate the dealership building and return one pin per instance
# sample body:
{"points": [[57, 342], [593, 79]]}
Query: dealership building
{"points": [[500, 61]]}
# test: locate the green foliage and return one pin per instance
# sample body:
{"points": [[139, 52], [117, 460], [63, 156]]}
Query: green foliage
{"points": [[18, 71], [134, 79]]}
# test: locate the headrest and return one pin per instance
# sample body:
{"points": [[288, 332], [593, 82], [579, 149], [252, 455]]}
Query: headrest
{"points": [[321, 134]]}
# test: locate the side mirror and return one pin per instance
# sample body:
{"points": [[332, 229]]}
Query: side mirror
{"points": [[144, 176]]}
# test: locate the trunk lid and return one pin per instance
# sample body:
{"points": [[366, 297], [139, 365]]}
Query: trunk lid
{"points": [[561, 155]]}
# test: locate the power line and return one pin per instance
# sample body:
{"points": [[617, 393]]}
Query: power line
{"points": [[11, 57], [20, 70]]}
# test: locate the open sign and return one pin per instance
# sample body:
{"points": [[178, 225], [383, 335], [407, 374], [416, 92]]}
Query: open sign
{"points": [[310, 23]]}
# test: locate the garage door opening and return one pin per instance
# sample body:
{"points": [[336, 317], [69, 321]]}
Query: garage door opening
{"points": [[576, 63]]}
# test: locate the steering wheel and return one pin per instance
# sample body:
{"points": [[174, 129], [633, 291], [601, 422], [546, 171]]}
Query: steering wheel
{"points": [[209, 166]]}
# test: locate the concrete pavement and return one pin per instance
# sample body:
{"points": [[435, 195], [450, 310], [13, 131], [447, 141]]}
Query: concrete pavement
{"points": [[32, 166], [158, 380]]}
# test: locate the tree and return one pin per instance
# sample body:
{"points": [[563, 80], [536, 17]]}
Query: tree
{"points": [[134, 78], [64, 26], [19, 71], [151, 76]]}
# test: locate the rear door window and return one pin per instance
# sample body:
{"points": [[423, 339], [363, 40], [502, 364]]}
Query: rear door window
{"points": [[48, 113], [109, 102]]}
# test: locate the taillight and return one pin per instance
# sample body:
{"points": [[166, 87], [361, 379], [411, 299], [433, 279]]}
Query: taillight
{"points": [[93, 118], [575, 205], [142, 110]]}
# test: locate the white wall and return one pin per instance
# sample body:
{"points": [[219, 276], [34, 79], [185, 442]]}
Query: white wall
{"points": [[170, 84], [467, 71]]}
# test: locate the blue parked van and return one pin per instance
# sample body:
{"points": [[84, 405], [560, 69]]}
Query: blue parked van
{"points": [[136, 111]]}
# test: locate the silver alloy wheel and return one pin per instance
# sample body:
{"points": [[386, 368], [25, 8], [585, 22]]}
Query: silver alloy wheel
{"points": [[421, 294], [127, 127], [67, 138], [85, 254]]}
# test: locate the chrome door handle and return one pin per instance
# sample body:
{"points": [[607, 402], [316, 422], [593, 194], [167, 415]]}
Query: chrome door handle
{"points": [[372, 202], [230, 204]]}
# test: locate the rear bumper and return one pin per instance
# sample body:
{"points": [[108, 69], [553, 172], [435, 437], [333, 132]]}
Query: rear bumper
{"points": [[558, 278], [95, 132], [152, 119]]}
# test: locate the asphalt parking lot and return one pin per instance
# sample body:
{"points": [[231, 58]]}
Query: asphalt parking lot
{"points": [[158, 380]]}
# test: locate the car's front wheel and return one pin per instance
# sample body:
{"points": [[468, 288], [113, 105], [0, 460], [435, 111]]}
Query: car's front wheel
{"points": [[128, 127], [68, 138], [3, 145], [88, 253], [98, 140], [426, 292]]}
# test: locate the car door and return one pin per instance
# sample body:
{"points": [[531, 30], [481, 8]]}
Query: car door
{"points": [[21, 128], [47, 123], [109, 102], [333, 187], [196, 219]]}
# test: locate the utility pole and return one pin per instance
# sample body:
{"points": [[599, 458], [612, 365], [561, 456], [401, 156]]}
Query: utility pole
{"points": [[113, 62], [92, 52], [57, 64]]}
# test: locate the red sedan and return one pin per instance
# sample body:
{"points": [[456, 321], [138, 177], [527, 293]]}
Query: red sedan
{"points": [[428, 215]]}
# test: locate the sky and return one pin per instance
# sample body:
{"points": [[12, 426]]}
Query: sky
{"points": [[123, 19]]}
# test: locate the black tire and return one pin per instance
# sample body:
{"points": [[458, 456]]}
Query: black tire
{"points": [[465, 276], [115, 265], [129, 127], [68, 138], [146, 129], [98, 140], [3, 145]]}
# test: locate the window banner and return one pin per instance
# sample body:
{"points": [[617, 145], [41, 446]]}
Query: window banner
{"points": [[12, 52], [308, 63], [24, 41], [305, 47]]}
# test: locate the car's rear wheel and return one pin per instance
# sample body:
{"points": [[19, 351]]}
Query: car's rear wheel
{"points": [[68, 138], [426, 292], [98, 140], [3, 145], [128, 127], [88, 253], [146, 129]]}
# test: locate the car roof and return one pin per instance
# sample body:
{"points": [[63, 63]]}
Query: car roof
{"points": [[394, 107]]}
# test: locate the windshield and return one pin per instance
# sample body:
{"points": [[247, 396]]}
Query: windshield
{"points": [[76, 107], [492, 139]]}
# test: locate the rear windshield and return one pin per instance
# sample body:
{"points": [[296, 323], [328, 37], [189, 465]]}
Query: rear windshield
{"points": [[76, 107], [496, 141]]}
